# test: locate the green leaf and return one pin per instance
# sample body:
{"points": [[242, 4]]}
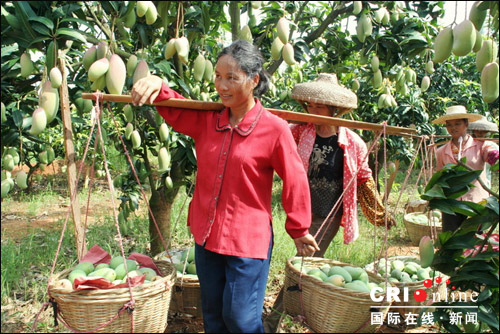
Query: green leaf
{"points": [[492, 203], [444, 205], [435, 192], [23, 13], [71, 34], [17, 116], [43, 20], [488, 315]]}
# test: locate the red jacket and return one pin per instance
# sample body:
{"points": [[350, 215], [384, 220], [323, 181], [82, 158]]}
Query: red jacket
{"points": [[230, 212]]}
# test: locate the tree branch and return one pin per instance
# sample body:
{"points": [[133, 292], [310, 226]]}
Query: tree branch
{"points": [[104, 28]]}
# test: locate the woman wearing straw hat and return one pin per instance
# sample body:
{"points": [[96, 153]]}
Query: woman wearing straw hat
{"points": [[238, 151], [456, 119], [336, 161], [482, 129], [332, 156]]}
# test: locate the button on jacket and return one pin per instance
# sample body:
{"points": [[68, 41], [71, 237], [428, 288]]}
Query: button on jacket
{"points": [[230, 212]]}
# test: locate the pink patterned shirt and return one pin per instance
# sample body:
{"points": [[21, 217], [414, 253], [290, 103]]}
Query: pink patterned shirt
{"points": [[355, 156]]}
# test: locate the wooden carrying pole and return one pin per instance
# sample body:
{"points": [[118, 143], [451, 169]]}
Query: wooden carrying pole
{"points": [[285, 114]]}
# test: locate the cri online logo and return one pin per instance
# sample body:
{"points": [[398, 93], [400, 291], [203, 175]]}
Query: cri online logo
{"points": [[420, 295]]}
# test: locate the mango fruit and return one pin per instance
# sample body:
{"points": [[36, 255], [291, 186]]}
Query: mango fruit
{"points": [[141, 8], [89, 57], [4, 113], [464, 37], [55, 77], [367, 25], [288, 54], [116, 75], [8, 162], [476, 15], [85, 266], [169, 183], [128, 130], [115, 261], [136, 139], [429, 67], [426, 82], [426, 250], [102, 50], [337, 280], [377, 79], [38, 121], [276, 48], [199, 67], [357, 286], [27, 67], [101, 265], [337, 270], [489, 82], [182, 48], [106, 273], [360, 33], [151, 13], [283, 28], [245, 34], [375, 63], [51, 56], [150, 273], [131, 65], [355, 85], [141, 71], [99, 84], [49, 100], [479, 42], [163, 160], [164, 133], [487, 54], [129, 19], [170, 48], [98, 69], [443, 45], [76, 274], [128, 112], [357, 6]]}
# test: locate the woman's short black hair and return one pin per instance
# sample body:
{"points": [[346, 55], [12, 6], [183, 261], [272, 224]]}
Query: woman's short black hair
{"points": [[250, 60]]}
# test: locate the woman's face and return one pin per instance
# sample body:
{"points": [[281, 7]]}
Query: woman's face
{"points": [[235, 88], [318, 109], [457, 127]]}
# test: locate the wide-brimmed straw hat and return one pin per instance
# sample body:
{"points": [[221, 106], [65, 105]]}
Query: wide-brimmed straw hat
{"points": [[483, 125], [325, 90], [456, 112]]}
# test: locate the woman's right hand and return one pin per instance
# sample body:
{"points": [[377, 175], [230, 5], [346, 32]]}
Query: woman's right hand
{"points": [[146, 90]]}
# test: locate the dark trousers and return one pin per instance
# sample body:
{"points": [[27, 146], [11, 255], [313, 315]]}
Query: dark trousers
{"points": [[232, 291], [452, 222]]}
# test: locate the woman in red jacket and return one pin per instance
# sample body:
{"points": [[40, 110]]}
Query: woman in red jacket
{"points": [[238, 150]]}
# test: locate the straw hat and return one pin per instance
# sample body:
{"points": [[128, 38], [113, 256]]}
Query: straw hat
{"points": [[483, 125], [325, 90], [456, 112]]}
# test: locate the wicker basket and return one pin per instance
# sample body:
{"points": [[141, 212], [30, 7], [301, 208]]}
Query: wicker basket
{"points": [[86, 310], [404, 308], [186, 296], [327, 308], [417, 231], [417, 205]]}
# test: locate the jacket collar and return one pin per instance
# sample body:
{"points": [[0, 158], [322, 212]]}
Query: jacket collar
{"points": [[469, 142], [246, 126]]}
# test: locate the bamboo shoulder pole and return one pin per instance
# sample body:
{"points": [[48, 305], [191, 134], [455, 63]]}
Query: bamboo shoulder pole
{"points": [[285, 114]]}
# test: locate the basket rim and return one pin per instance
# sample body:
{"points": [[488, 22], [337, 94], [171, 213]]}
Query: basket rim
{"points": [[429, 224], [340, 291], [159, 284]]}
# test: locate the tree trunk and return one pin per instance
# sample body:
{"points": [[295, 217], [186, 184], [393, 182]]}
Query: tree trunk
{"points": [[161, 206]]}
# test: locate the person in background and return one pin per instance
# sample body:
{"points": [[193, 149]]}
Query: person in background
{"points": [[483, 129], [477, 153], [238, 150], [336, 162]]}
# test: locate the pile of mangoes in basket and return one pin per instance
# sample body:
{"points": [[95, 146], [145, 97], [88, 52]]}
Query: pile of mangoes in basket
{"points": [[348, 277], [114, 272], [406, 270], [183, 260]]}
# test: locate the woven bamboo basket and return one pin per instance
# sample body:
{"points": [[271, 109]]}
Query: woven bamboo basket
{"points": [[404, 308], [417, 231], [327, 308], [86, 310], [186, 296]]}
